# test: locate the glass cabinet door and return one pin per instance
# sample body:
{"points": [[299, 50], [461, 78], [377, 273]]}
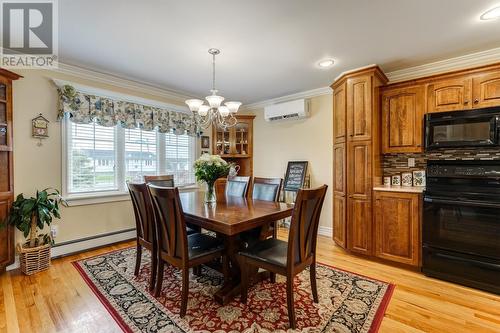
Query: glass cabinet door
{"points": [[241, 131], [3, 115], [222, 141]]}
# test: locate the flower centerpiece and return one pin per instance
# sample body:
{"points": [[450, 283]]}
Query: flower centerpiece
{"points": [[208, 168]]}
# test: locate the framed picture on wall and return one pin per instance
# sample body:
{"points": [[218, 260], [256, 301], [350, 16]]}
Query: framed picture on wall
{"points": [[205, 142]]}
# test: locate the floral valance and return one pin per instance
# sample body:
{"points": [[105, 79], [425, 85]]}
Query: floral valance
{"points": [[84, 108]]}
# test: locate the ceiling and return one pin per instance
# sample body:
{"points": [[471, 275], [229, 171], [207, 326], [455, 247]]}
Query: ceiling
{"points": [[269, 48]]}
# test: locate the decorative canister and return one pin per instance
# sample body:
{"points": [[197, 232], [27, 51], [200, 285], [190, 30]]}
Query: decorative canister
{"points": [[387, 181], [419, 178], [406, 179], [396, 180]]}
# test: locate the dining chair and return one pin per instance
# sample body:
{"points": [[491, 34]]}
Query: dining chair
{"points": [[292, 257], [237, 186], [168, 181], [145, 226], [160, 180], [267, 189], [175, 247]]}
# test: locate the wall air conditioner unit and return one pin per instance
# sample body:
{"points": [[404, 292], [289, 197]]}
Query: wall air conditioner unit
{"points": [[297, 109]]}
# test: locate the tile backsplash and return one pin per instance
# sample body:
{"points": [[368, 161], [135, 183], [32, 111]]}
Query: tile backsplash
{"points": [[397, 163]]}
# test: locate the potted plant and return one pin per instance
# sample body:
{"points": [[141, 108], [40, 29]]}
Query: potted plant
{"points": [[209, 168], [28, 215]]}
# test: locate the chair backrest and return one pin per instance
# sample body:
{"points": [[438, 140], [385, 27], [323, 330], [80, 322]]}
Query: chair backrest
{"points": [[267, 189], [160, 180], [304, 224], [143, 211], [237, 186], [220, 189], [170, 225]]}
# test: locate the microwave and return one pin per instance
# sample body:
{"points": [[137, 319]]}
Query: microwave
{"points": [[463, 129]]}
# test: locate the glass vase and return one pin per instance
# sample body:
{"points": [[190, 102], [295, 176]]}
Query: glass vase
{"points": [[210, 193]]}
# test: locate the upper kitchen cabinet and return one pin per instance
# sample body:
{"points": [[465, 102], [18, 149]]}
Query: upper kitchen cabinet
{"points": [[339, 113], [449, 95], [402, 119], [359, 107], [486, 89]]}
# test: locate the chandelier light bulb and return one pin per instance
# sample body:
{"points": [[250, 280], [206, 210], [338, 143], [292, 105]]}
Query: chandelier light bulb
{"points": [[194, 104], [233, 106], [214, 101], [224, 111], [203, 110]]}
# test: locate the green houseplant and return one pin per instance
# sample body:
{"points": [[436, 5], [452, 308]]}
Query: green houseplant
{"points": [[209, 168], [29, 215]]}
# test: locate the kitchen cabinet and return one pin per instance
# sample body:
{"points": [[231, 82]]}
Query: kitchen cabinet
{"points": [[403, 119], [339, 114], [359, 107], [356, 127], [397, 227], [451, 94], [486, 89]]}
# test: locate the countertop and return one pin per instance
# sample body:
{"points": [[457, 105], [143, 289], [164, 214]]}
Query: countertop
{"points": [[406, 189]]}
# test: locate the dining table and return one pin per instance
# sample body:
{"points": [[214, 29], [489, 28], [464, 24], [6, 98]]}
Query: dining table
{"points": [[228, 218]]}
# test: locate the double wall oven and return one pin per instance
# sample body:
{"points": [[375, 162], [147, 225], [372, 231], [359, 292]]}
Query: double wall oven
{"points": [[461, 223]]}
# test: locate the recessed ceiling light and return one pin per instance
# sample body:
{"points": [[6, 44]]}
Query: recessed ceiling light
{"points": [[491, 14], [326, 63]]}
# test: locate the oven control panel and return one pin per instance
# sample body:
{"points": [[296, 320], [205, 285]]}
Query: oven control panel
{"points": [[486, 171]]}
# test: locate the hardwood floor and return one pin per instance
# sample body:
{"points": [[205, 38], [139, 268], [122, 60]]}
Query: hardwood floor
{"points": [[58, 300]]}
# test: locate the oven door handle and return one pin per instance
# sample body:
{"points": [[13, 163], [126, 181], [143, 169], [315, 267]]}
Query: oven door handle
{"points": [[462, 202], [482, 264]]}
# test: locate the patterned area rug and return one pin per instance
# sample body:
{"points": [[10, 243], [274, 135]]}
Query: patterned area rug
{"points": [[347, 302]]}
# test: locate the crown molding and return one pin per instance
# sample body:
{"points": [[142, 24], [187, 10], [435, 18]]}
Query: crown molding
{"points": [[291, 97], [466, 61], [121, 82]]}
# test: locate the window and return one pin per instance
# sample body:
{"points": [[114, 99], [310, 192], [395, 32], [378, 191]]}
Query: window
{"points": [[99, 160]]}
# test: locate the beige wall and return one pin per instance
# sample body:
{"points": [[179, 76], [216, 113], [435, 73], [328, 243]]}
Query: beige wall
{"points": [[309, 139], [40, 167]]}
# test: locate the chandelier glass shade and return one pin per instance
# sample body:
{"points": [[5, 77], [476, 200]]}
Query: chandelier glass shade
{"points": [[214, 113]]}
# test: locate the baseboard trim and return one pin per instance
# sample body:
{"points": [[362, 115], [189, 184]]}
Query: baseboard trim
{"points": [[325, 231], [84, 244]]}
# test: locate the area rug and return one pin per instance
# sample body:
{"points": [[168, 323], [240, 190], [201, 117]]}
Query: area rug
{"points": [[348, 302]]}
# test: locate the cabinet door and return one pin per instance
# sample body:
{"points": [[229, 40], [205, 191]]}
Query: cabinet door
{"points": [[402, 120], [397, 225], [5, 115], [449, 95], [339, 219], [359, 177], [6, 234], [339, 114], [359, 107], [359, 227], [486, 90], [339, 168]]}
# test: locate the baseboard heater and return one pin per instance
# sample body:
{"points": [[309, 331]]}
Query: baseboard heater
{"points": [[87, 243]]}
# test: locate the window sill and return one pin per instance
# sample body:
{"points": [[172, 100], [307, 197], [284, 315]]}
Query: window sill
{"points": [[106, 197]]}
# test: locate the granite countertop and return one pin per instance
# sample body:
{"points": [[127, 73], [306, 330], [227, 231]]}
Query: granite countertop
{"points": [[406, 189]]}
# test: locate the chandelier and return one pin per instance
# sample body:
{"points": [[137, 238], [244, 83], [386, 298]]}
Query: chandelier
{"points": [[221, 116]]}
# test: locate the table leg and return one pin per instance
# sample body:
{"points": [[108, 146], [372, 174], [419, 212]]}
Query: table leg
{"points": [[232, 287]]}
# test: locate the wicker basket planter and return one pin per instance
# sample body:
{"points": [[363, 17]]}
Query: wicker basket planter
{"points": [[34, 260]]}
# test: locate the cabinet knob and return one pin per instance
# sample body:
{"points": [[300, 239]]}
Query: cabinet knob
{"points": [[476, 101], [466, 102]]}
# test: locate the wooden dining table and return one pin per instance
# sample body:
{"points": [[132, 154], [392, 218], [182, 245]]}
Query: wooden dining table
{"points": [[228, 218]]}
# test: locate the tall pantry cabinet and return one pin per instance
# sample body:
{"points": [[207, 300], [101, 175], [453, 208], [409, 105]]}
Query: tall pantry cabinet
{"points": [[356, 160]]}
